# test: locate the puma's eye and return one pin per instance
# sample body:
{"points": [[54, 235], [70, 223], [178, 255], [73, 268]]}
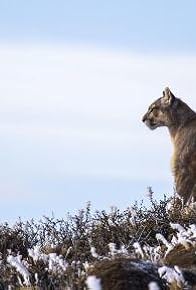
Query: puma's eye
{"points": [[153, 109]]}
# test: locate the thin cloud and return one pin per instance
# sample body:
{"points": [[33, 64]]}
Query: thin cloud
{"points": [[76, 112]]}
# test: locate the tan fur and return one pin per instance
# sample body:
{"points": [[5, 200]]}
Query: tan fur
{"points": [[180, 119]]}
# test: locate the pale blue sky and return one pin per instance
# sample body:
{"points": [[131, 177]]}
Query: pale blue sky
{"points": [[76, 77], [141, 25]]}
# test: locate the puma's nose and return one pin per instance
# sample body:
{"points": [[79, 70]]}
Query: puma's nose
{"points": [[144, 118]]}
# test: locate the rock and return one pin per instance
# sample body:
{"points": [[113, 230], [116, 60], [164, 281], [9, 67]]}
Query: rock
{"points": [[127, 274]]}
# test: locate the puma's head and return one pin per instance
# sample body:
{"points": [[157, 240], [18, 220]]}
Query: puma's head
{"points": [[160, 113]]}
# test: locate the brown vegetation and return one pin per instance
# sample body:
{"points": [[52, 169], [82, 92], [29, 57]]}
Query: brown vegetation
{"points": [[122, 248]]}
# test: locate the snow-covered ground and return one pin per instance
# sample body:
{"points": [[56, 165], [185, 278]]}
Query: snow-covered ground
{"points": [[55, 264]]}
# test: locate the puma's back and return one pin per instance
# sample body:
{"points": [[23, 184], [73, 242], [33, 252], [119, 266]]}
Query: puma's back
{"points": [[180, 119]]}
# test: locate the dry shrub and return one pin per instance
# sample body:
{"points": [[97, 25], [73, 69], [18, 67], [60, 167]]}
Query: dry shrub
{"points": [[85, 238]]}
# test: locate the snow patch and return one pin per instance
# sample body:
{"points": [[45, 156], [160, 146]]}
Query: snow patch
{"points": [[17, 263], [172, 276], [153, 286], [138, 249], [93, 283]]}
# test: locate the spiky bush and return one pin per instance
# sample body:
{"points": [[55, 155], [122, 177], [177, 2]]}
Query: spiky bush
{"points": [[58, 253]]}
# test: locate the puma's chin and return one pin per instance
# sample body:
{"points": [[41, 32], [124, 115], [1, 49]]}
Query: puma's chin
{"points": [[154, 126], [151, 125]]}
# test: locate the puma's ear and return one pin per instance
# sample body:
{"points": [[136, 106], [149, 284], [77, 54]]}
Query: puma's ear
{"points": [[168, 97]]}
